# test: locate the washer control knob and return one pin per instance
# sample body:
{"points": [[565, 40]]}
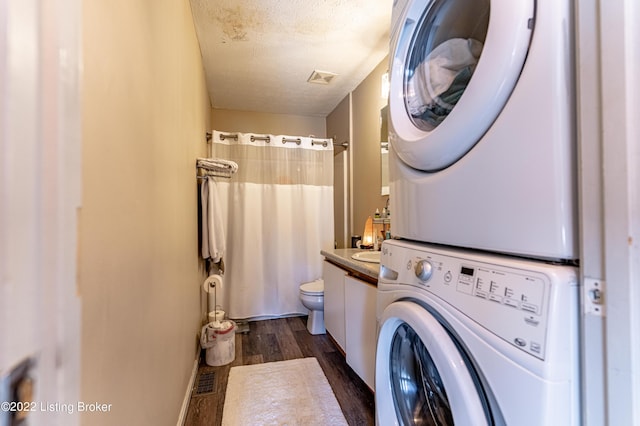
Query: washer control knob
{"points": [[423, 269]]}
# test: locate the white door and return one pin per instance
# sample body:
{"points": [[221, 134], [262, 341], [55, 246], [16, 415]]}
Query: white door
{"points": [[421, 375], [454, 65], [39, 198]]}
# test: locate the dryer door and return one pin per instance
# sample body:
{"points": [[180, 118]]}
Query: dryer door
{"points": [[453, 67], [422, 377]]}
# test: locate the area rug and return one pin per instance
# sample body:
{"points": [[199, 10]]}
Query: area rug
{"points": [[294, 392]]}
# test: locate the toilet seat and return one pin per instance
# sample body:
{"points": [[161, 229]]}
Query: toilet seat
{"points": [[314, 288]]}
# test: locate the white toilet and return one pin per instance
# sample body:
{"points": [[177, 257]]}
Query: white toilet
{"points": [[312, 297]]}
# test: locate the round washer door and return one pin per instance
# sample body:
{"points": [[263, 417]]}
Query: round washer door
{"points": [[453, 67], [422, 378]]}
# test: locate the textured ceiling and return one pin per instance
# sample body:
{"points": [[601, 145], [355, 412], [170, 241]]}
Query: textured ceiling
{"points": [[258, 54]]}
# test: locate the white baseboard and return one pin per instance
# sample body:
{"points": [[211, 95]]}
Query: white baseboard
{"points": [[187, 395]]}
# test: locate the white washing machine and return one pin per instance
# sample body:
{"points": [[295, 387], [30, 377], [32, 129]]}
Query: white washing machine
{"points": [[475, 339], [482, 125]]}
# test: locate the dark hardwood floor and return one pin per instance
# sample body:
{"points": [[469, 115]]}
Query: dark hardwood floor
{"points": [[279, 340]]}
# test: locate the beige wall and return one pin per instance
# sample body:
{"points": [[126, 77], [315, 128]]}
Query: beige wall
{"points": [[367, 104], [267, 123], [364, 147], [145, 114], [338, 127]]}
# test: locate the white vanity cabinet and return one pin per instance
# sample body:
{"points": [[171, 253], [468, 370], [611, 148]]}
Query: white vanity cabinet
{"points": [[334, 319], [350, 294], [360, 323]]}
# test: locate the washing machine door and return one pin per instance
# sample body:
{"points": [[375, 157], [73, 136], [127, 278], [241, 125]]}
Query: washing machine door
{"points": [[422, 375], [454, 64]]}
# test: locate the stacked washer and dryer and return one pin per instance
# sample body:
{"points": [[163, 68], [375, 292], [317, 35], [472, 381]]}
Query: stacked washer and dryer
{"points": [[478, 308]]}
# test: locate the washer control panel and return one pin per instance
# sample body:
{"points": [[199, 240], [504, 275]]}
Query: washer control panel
{"points": [[509, 297], [513, 289]]}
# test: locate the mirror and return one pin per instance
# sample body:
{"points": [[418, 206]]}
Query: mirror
{"points": [[384, 151]]}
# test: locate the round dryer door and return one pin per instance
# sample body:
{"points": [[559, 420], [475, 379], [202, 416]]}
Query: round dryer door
{"points": [[422, 377], [454, 65]]}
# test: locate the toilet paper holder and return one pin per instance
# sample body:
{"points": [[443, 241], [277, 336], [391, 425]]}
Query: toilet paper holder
{"points": [[210, 286]]}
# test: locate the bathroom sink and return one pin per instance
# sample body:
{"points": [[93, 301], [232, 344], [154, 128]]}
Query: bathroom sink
{"points": [[367, 256]]}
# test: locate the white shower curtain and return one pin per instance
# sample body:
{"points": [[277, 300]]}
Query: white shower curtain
{"points": [[278, 214]]}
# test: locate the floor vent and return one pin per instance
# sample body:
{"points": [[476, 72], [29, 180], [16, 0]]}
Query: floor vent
{"points": [[206, 383]]}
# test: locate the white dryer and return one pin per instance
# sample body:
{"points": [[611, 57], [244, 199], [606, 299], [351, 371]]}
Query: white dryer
{"points": [[474, 339], [482, 125]]}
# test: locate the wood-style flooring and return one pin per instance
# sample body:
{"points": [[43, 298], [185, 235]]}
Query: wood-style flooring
{"points": [[279, 340]]}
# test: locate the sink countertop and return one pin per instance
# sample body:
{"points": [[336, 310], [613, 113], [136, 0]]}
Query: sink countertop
{"points": [[342, 257]]}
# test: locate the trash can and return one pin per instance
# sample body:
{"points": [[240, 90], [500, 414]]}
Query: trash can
{"points": [[219, 340]]}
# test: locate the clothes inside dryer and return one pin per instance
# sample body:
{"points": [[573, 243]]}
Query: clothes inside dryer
{"points": [[442, 58], [440, 80]]}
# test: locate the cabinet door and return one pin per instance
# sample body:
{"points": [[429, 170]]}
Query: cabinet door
{"points": [[334, 302], [360, 321]]}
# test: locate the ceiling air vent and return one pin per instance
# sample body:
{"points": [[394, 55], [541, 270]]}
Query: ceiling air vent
{"points": [[321, 77]]}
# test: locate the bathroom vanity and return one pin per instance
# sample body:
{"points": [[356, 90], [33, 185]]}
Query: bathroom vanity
{"points": [[350, 308]]}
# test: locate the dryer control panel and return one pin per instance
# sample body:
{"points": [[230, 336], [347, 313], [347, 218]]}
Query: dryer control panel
{"points": [[509, 297]]}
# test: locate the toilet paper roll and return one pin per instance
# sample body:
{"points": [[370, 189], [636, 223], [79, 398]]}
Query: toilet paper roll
{"points": [[217, 315], [210, 286], [212, 282]]}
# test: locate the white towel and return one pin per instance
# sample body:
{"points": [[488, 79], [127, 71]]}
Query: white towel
{"points": [[217, 164], [213, 237]]}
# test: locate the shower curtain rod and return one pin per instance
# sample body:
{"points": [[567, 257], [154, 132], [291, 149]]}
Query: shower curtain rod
{"points": [[297, 141], [344, 144]]}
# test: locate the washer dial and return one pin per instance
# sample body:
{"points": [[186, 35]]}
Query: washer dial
{"points": [[423, 269]]}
